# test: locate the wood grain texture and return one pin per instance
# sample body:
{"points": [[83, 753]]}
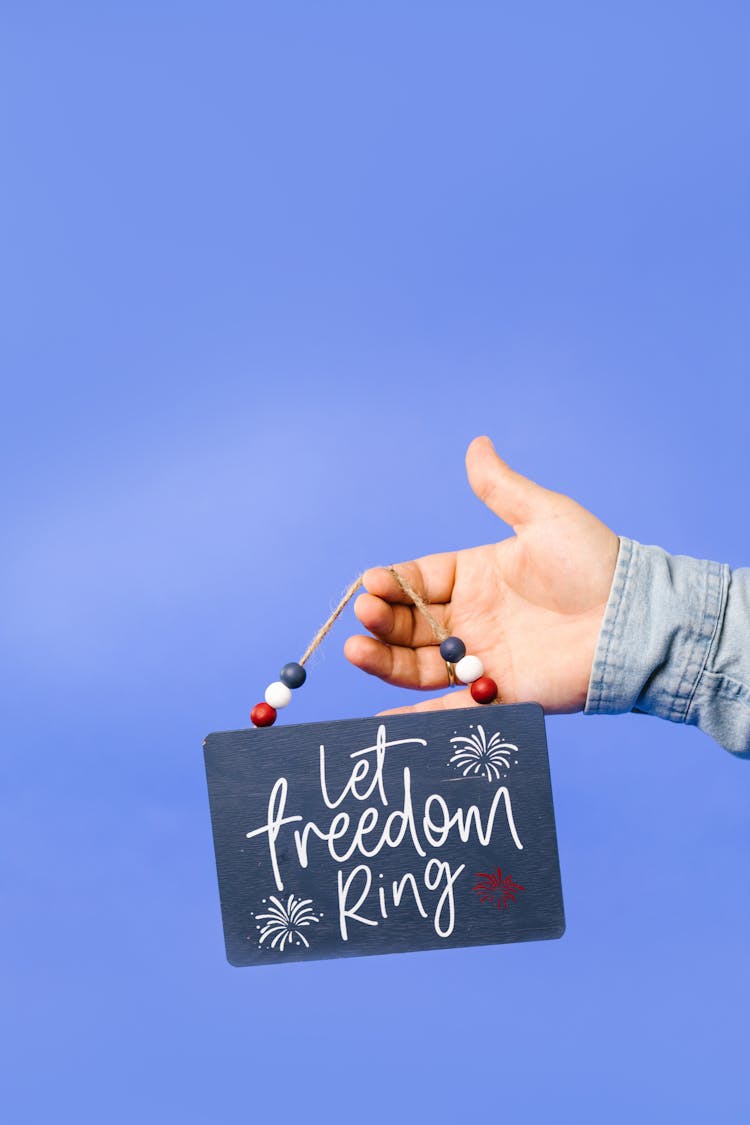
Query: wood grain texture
{"points": [[392, 833]]}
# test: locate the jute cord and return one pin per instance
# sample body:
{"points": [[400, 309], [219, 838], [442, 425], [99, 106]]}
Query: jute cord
{"points": [[438, 630]]}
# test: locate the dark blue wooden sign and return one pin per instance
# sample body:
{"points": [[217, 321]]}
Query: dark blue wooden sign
{"points": [[386, 834]]}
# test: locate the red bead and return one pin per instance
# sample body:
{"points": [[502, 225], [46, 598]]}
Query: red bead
{"points": [[484, 690], [263, 715]]}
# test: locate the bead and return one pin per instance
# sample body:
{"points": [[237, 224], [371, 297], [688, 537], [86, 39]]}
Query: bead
{"points": [[469, 668], [262, 715], [293, 675], [484, 690], [452, 649], [278, 695]]}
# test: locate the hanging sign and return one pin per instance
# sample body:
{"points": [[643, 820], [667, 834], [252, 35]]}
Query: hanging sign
{"points": [[384, 835]]}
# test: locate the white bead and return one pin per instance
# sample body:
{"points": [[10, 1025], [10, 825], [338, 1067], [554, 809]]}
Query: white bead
{"points": [[469, 668], [278, 695]]}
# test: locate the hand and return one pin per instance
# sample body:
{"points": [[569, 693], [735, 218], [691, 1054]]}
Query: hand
{"points": [[530, 606]]}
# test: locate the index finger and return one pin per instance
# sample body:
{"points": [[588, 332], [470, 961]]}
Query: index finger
{"points": [[432, 576]]}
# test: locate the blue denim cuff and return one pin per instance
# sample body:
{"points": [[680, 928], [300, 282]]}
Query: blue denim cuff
{"points": [[660, 622]]}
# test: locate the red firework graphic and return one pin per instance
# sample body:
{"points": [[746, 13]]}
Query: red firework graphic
{"points": [[494, 887]]}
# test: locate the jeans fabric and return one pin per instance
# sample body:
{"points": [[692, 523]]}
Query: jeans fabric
{"points": [[675, 643]]}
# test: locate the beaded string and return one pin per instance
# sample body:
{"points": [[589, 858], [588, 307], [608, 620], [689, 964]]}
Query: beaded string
{"points": [[460, 667]]}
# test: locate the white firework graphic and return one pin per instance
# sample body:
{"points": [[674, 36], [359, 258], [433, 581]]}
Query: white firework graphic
{"points": [[476, 757], [284, 924]]}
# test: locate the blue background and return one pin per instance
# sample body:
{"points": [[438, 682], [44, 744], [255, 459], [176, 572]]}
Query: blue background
{"points": [[267, 269]]}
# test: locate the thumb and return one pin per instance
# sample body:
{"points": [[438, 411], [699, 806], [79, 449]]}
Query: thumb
{"points": [[510, 495]]}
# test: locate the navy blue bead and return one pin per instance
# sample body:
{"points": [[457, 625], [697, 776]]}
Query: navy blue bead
{"points": [[452, 649], [293, 675]]}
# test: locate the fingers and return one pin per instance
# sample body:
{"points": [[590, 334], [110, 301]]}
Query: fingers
{"points": [[404, 650], [396, 664], [398, 624], [432, 576], [510, 495], [448, 702]]}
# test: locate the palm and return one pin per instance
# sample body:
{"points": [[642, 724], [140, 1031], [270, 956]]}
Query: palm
{"points": [[529, 606], [536, 617]]}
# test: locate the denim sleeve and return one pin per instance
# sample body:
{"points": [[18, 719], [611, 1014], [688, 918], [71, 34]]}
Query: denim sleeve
{"points": [[675, 642]]}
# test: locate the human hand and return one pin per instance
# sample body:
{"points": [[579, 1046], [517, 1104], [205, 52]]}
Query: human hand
{"points": [[530, 606]]}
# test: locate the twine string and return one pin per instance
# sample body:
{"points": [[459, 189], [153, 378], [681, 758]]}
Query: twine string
{"points": [[420, 603], [325, 629], [440, 632]]}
